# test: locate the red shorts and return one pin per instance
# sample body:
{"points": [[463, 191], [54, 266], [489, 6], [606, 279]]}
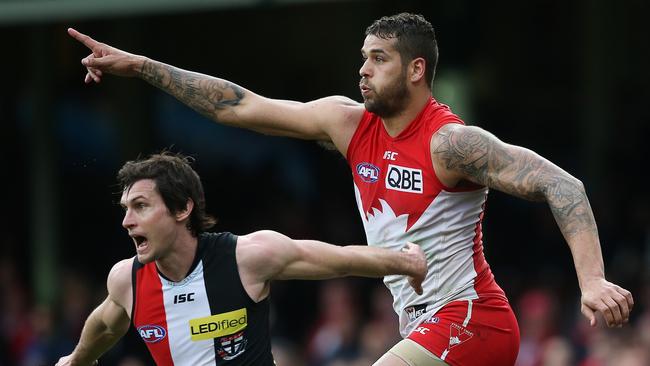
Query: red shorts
{"points": [[471, 332]]}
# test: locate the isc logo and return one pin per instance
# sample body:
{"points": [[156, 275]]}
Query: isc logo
{"points": [[404, 179], [152, 333], [369, 173], [181, 298]]}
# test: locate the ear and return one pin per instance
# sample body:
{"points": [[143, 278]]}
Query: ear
{"points": [[185, 213], [417, 69]]}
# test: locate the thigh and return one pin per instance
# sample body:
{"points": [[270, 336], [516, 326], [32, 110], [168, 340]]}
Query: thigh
{"points": [[409, 353], [471, 332]]}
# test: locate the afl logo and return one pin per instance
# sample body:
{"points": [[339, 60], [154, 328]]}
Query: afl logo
{"points": [[369, 173], [152, 333]]}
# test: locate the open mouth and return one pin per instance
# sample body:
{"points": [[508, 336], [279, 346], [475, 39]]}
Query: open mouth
{"points": [[140, 241]]}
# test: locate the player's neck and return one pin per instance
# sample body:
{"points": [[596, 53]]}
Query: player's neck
{"points": [[177, 263], [396, 124]]}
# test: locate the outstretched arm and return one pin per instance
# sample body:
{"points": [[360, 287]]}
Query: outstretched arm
{"points": [[327, 119], [264, 256], [106, 324], [470, 153]]}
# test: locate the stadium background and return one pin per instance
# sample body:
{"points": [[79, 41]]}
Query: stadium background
{"points": [[566, 79]]}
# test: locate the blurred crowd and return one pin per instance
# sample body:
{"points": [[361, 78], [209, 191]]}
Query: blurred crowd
{"points": [[352, 324]]}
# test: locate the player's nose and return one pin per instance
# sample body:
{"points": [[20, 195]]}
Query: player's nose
{"points": [[364, 71], [129, 220]]}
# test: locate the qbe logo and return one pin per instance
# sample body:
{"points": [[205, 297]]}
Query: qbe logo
{"points": [[152, 333], [404, 179], [369, 173]]}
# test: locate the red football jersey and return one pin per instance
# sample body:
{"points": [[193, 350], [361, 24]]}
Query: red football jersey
{"points": [[401, 199]]}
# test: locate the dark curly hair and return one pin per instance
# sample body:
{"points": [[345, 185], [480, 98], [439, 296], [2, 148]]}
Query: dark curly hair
{"points": [[176, 182], [414, 36]]}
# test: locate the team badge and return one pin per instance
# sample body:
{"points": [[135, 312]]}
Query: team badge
{"points": [[458, 334], [232, 346]]}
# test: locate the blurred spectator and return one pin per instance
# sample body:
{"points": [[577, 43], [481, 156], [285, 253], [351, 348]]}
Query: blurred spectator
{"points": [[335, 332], [643, 330], [285, 353], [557, 351], [131, 361], [45, 345], [378, 334], [536, 312], [381, 331], [632, 355], [616, 348], [77, 302], [15, 329]]}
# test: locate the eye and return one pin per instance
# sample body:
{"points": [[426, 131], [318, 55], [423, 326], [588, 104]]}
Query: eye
{"points": [[379, 59]]}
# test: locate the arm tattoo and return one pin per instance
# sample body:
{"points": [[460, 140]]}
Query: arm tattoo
{"points": [[482, 158], [205, 94]]}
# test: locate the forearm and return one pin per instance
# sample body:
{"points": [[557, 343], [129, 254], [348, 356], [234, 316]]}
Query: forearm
{"points": [[96, 338], [322, 260], [369, 261], [568, 202], [525, 174], [210, 96], [570, 206]]}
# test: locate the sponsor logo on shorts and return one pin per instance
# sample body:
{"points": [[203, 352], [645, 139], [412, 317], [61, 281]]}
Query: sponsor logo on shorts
{"points": [[404, 179], [368, 173], [458, 334], [422, 330], [432, 320], [218, 325], [415, 311], [152, 333]]}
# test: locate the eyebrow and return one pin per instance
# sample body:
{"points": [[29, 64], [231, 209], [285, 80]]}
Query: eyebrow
{"points": [[375, 50], [123, 204]]}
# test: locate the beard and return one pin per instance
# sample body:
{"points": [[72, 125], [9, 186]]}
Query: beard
{"points": [[391, 100]]}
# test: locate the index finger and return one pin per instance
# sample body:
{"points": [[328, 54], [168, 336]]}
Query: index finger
{"points": [[86, 40]]}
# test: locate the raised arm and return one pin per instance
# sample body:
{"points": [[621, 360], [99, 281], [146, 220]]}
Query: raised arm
{"points": [[107, 323], [264, 256], [470, 153], [329, 119]]}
